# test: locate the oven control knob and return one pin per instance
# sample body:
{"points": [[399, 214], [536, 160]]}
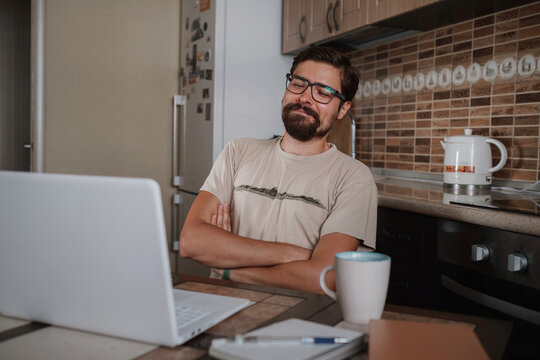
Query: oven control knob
{"points": [[517, 262], [479, 253]]}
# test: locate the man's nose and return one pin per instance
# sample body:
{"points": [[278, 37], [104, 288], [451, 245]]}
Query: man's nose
{"points": [[306, 97]]}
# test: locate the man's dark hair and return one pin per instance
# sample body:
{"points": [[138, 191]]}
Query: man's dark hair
{"points": [[327, 55]]}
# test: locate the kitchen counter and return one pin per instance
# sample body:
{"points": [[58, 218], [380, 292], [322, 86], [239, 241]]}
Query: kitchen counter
{"points": [[428, 198]]}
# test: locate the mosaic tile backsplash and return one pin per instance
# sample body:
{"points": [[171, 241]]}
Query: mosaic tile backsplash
{"points": [[482, 74]]}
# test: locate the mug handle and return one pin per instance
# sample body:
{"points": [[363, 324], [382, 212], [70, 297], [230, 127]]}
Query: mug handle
{"points": [[322, 282]]}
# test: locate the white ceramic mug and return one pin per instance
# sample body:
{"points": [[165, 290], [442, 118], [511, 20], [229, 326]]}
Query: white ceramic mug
{"points": [[361, 284]]}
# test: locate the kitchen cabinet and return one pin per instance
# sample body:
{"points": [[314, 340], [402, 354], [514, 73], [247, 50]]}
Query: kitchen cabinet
{"points": [[308, 22], [353, 14], [295, 25], [334, 17], [383, 9], [410, 240], [351, 23], [323, 18]]}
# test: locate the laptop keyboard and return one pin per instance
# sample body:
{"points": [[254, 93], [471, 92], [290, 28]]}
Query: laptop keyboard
{"points": [[187, 315]]}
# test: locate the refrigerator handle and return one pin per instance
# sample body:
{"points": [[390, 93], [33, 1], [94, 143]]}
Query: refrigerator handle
{"points": [[175, 233], [179, 101]]}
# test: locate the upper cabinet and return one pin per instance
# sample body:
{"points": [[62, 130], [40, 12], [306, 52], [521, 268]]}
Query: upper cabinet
{"points": [[308, 22], [353, 22], [353, 14], [384, 9], [295, 25]]}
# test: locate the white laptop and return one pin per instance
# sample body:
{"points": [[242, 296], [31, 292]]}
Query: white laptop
{"points": [[90, 253]]}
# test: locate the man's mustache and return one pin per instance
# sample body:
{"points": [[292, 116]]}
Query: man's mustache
{"points": [[306, 109]]}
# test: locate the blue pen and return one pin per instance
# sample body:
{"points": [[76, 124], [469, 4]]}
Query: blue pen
{"points": [[253, 339]]}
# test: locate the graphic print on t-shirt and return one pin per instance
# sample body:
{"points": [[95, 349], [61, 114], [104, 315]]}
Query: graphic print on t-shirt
{"points": [[274, 194]]}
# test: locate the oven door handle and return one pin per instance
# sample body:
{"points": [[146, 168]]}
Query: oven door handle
{"points": [[491, 302]]}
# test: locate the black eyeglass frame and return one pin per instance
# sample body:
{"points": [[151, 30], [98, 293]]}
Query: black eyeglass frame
{"points": [[333, 91]]}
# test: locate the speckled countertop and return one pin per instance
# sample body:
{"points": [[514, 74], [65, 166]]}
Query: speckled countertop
{"points": [[427, 197]]}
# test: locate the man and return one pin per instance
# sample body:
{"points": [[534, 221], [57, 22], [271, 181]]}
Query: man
{"points": [[297, 200]]}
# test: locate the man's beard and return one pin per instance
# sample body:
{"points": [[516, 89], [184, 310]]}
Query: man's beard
{"points": [[299, 126]]}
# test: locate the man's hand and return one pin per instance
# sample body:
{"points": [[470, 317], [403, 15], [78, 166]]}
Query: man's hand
{"points": [[223, 218], [301, 275]]}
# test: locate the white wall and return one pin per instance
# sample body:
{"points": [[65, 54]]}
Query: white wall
{"points": [[254, 69]]}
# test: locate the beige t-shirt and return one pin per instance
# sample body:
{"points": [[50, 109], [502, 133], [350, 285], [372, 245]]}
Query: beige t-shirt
{"points": [[281, 197]]}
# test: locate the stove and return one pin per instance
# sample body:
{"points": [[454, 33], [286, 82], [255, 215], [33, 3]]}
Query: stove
{"points": [[527, 202]]}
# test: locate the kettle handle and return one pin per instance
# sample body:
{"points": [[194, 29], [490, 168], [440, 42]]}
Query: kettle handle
{"points": [[504, 154]]}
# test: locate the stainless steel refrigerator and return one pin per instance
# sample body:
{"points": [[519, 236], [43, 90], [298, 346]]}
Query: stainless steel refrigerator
{"points": [[153, 89]]}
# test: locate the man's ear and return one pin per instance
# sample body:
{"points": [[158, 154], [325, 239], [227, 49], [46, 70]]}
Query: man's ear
{"points": [[343, 110]]}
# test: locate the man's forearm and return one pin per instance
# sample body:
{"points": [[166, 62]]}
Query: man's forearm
{"points": [[298, 275], [216, 247]]}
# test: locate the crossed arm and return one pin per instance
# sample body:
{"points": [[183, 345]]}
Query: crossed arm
{"points": [[207, 238]]}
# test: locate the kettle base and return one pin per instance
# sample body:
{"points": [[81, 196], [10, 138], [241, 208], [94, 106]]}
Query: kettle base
{"points": [[466, 189]]}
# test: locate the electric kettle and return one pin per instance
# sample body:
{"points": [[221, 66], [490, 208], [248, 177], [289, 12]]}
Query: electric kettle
{"points": [[467, 159]]}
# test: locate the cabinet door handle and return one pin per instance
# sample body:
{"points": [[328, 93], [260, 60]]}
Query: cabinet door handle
{"points": [[327, 19], [302, 20], [336, 25], [178, 101]]}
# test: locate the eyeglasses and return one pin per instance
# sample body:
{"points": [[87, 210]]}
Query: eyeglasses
{"points": [[319, 92]]}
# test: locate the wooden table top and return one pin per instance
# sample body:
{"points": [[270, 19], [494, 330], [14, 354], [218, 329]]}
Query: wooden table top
{"points": [[274, 304]]}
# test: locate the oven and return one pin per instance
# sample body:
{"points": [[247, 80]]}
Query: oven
{"points": [[494, 273]]}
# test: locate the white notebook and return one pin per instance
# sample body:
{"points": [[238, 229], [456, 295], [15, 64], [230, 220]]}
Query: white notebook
{"points": [[231, 350]]}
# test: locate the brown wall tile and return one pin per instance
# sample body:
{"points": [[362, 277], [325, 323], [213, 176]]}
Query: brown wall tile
{"points": [[527, 120], [503, 99], [482, 32], [403, 131], [529, 20], [529, 32], [482, 43], [461, 103], [506, 26], [507, 15], [481, 101], [475, 122], [463, 26], [466, 45], [483, 21], [506, 37], [527, 98], [526, 131], [508, 49], [508, 88]]}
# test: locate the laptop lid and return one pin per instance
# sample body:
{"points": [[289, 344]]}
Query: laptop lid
{"points": [[86, 252]]}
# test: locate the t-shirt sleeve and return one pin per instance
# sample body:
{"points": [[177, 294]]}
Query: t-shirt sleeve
{"points": [[220, 180], [354, 212]]}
